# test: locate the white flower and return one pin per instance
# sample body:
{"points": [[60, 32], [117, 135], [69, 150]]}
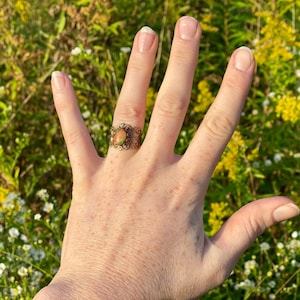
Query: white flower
{"points": [[294, 245], [24, 238], [2, 268], [280, 245], [277, 157], [42, 194], [26, 247], [23, 272], [125, 49], [37, 216], [16, 291], [268, 162], [255, 112], [294, 234], [266, 102], [250, 265], [272, 296], [86, 114], [38, 255], [13, 232], [271, 94], [264, 246], [76, 51], [48, 207], [88, 51], [272, 284]]}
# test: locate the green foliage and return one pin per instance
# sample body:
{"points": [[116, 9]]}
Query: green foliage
{"points": [[89, 40]]}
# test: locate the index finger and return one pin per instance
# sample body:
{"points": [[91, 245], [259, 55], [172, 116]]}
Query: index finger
{"points": [[222, 117]]}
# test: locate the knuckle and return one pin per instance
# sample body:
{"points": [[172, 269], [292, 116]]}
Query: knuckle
{"points": [[218, 125], [170, 106], [128, 112]]}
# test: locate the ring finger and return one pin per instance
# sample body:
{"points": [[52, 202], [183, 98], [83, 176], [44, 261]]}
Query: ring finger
{"points": [[131, 104]]}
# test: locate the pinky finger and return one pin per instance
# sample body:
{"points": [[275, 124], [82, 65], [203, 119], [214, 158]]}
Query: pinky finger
{"points": [[81, 150]]}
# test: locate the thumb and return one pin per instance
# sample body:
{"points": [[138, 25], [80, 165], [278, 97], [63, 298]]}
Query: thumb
{"points": [[245, 225]]}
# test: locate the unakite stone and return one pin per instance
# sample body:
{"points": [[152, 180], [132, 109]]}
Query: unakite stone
{"points": [[120, 137]]}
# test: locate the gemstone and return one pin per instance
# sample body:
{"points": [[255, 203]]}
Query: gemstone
{"points": [[119, 137]]}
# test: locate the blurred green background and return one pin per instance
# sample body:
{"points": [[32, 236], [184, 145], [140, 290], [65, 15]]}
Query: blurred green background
{"points": [[90, 40]]}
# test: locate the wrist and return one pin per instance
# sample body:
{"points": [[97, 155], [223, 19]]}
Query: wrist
{"points": [[66, 288]]}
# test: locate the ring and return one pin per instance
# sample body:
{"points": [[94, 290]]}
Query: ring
{"points": [[125, 137]]}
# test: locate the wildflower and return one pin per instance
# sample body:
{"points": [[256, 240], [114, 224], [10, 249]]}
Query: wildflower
{"points": [[272, 296], [231, 159], [266, 102], [280, 245], [250, 265], [23, 271], [294, 234], [86, 114], [37, 216], [42, 194], [24, 238], [26, 247], [294, 245], [48, 207], [219, 211], [264, 246], [268, 162], [38, 254], [288, 108], [13, 232], [125, 49], [245, 285], [277, 157], [14, 292], [204, 98], [88, 51], [272, 284], [76, 51], [2, 268]]}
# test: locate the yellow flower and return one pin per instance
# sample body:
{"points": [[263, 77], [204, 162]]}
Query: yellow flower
{"points": [[218, 213], [204, 98], [23, 8], [277, 39], [231, 159], [288, 108]]}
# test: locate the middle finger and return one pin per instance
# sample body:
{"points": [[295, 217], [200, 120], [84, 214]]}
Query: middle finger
{"points": [[174, 95]]}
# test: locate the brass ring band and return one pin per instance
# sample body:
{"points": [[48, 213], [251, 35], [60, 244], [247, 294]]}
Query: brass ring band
{"points": [[124, 137]]}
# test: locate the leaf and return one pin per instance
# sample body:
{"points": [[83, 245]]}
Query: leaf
{"points": [[62, 22]]}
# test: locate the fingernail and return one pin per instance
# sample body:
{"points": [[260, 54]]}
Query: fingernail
{"points": [[286, 212], [243, 58], [58, 79], [187, 27], [146, 39]]}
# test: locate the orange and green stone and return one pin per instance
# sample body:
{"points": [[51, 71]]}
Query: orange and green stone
{"points": [[120, 137]]}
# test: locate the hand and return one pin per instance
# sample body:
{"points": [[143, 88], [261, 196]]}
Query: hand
{"points": [[135, 228]]}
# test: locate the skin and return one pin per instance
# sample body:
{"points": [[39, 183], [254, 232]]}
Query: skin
{"points": [[135, 228]]}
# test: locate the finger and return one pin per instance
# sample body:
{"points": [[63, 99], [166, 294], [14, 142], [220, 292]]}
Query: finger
{"points": [[244, 226], [131, 104], [222, 117], [174, 95], [81, 150]]}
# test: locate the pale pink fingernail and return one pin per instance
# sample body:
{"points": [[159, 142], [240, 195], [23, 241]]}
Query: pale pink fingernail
{"points": [[146, 39], [59, 80], [188, 27], [243, 58], [286, 212]]}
